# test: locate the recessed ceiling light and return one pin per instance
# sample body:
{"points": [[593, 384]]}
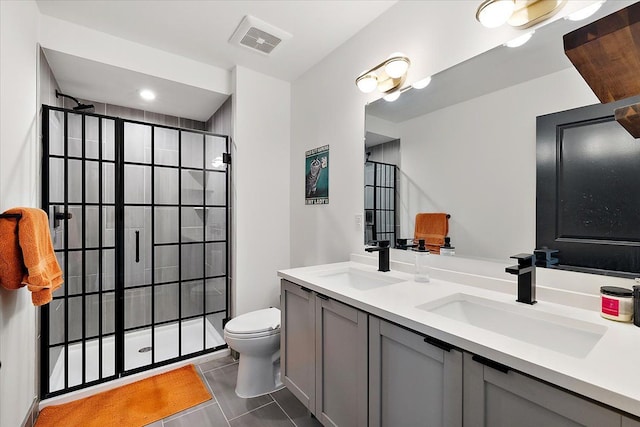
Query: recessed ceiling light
{"points": [[147, 95]]}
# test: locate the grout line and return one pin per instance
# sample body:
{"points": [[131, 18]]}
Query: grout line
{"points": [[224, 415], [282, 409], [204, 380], [188, 411], [235, 362], [253, 410]]}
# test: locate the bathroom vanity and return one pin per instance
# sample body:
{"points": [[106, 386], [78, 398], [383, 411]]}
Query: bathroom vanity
{"points": [[364, 348]]}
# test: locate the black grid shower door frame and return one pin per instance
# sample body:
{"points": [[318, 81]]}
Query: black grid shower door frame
{"points": [[120, 362], [383, 206], [119, 249]]}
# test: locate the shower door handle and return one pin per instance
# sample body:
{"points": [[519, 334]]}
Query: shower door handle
{"points": [[59, 216], [137, 246]]}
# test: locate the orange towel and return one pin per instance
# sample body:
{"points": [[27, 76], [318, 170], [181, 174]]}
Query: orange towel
{"points": [[433, 228], [27, 256]]}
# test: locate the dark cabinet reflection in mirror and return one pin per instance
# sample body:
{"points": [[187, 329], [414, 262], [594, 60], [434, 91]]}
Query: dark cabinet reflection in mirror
{"points": [[588, 190]]}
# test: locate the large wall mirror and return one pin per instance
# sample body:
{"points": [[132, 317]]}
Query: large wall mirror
{"points": [[466, 144]]}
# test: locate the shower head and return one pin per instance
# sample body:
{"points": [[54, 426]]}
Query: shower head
{"points": [[78, 107], [83, 107]]}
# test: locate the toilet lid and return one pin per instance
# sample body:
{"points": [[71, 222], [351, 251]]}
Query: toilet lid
{"points": [[255, 321]]}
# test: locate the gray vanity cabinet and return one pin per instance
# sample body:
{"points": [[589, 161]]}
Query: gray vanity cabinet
{"points": [[341, 364], [493, 398], [411, 382], [628, 422], [323, 355], [297, 342]]}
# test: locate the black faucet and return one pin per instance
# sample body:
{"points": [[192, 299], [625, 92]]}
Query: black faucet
{"points": [[402, 244], [526, 272], [383, 256]]}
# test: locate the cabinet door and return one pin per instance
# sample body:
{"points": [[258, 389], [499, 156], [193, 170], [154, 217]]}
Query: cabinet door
{"points": [[341, 364], [628, 422], [297, 342], [411, 383], [496, 399]]}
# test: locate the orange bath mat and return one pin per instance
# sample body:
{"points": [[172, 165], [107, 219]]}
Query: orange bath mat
{"points": [[136, 404]]}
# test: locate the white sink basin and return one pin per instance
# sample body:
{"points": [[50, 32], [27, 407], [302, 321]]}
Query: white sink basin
{"points": [[356, 278], [562, 334]]}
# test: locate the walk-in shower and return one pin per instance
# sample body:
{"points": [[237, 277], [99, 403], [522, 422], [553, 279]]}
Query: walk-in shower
{"points": [[139, 220]]}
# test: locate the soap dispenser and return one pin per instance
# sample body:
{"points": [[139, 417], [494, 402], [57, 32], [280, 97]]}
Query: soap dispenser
{"points": [[447, 249], [422, 266]]}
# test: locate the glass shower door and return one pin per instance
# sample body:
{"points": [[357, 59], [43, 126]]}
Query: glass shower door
{"points": [[136, 235], [175, 248], [78, 332]]}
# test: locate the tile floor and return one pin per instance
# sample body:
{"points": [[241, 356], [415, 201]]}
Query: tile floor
{"points": [[277, 409]]}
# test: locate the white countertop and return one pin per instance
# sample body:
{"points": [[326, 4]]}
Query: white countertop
{"points": [[609, 373]]}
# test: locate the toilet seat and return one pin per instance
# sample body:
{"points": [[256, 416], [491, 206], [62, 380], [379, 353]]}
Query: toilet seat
{"points": [[251, 336], [254, 324]]}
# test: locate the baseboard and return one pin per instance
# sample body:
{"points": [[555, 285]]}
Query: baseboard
{"points": [[30, 418]]}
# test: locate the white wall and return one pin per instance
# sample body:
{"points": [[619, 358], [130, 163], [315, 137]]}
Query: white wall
{"points": [[19, 183], [382, 127], [477, 161], [262, 114]]}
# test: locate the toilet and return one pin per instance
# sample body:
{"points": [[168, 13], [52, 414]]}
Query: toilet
{"points": [[256, 336]]}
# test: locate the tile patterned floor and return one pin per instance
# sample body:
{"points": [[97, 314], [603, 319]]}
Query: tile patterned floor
{"points": [[277, 409]]}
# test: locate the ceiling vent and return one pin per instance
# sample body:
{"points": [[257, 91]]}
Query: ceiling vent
{"points": [[257, 35]]}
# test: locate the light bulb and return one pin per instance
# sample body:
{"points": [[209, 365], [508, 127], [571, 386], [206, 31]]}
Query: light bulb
{"points": [[584, 13], [367, 83], [147, 95], [396, 67], [519, 41], [421, 84], [217, 162], [493, 13], [392, 96]]}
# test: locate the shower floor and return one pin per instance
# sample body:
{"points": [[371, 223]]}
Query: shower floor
{"points": [[137, 351]]}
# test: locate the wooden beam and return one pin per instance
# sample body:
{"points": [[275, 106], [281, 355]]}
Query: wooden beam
{"points": [[607, 54], [629, 118]]}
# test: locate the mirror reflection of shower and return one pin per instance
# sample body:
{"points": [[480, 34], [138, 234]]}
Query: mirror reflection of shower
{"points": [[381, 186]]}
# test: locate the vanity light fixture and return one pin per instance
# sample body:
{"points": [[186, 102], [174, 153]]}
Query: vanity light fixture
{"points": [[517, 13], [387, 76], [147, 95], [586, 12], [421, 84], [217, 162], [519, 41], [493, 13], [392, 96]]}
